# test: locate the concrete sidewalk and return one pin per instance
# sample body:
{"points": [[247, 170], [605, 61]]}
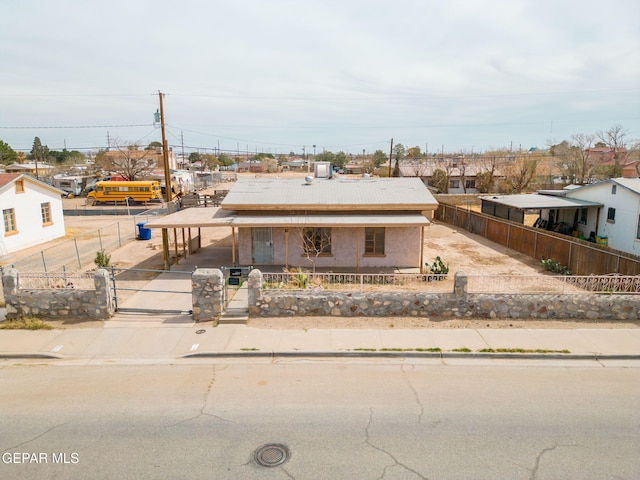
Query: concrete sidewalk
{"points": [[152, 340]]}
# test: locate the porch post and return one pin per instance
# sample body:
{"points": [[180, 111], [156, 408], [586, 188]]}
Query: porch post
{"points": [[233, 245], [422, 249]]}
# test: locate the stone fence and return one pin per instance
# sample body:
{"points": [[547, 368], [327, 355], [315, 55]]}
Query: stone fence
{"points": [[208, 301], [457, 304], [58, 303]]}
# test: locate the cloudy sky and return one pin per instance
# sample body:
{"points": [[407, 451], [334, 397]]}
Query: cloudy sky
{"points": [[280, 75]]}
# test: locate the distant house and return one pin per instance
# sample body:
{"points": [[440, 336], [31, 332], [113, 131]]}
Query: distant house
{"points": [[153, 157], [33, 169], [31, 212], [608, 157], [462, 176]]}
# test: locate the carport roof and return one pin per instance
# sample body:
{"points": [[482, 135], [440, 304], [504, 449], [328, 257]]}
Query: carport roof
{"points": [[218, 217], [534, 201]]}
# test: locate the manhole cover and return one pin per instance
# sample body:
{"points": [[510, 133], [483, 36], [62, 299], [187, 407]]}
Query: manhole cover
{"points": [[272, 455], [200, 332]]}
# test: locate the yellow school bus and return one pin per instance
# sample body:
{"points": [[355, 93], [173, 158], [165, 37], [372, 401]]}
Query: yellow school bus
{"points": [[125, 192]]}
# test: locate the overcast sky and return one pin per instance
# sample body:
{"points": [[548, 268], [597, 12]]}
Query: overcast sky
{"points": [[277, 75]]}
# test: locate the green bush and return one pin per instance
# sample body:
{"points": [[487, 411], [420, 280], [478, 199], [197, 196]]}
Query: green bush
{"points": [[438, 267], [553, 265], [102, 259]]}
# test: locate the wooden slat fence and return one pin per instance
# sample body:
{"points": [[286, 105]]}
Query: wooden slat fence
{"points": [[580, 256]]}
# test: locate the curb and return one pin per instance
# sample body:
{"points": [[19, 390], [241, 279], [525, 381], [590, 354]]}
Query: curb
{"points": [[31, 355]]}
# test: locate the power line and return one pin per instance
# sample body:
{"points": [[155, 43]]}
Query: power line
{"points": [[74, 126]]}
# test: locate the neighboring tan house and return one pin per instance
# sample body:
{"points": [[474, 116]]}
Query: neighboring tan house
{"points": [[329, 223], [31, 212], [153, 157], [462, 175]]}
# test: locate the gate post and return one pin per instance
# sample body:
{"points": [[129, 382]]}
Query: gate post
{"points": [[207, 294]]}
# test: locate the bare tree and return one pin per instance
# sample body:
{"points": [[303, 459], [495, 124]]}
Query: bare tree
{"points": [[574, 159], [520, 174], [316, 241], [615, 139], [128, 160]]}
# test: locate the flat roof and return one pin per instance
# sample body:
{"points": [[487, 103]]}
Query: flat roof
{"points": [[323, 194], [533, 201], [218, 217]]}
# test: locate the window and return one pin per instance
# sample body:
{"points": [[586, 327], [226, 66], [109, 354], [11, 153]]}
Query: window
{"points": [[613, 189], [583, 216], [638, 229], [19, 186], [470, 184], [611, 215], [9, 217], [45, 210], [454, 183], [374, 240], [316, 241]]}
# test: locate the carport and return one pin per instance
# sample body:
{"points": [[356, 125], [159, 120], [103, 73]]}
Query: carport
{"points": [[555, 212]]}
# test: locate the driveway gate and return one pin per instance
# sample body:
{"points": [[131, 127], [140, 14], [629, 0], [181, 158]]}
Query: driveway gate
{"points": [[156, 291]]}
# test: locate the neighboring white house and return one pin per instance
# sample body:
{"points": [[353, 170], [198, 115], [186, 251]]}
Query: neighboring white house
{"points": [[31, 212], [619, 220]]}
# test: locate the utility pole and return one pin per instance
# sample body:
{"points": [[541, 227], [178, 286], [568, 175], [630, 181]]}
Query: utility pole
{"points": [[167, 184], [390, 156], [182, 142]]}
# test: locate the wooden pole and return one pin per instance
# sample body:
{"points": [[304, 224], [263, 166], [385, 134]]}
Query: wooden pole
{"points": [[167, 185]]}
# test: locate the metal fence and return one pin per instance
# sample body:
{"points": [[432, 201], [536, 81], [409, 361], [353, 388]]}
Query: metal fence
{"points": [[80, 252], [554, 284], [497, 284], [359, 282]]}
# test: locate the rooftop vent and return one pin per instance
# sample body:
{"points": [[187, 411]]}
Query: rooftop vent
{"points": [[308, 179]]}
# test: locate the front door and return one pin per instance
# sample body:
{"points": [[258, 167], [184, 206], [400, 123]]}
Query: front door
{"points": [[262, 246]]}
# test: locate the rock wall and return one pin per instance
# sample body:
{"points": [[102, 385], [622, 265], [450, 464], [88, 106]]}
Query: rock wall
{"points": [[207, 294], [59, 303], [457, 304]]}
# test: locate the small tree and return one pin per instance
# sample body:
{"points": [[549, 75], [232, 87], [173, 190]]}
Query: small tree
{"points": [[316, 241]]}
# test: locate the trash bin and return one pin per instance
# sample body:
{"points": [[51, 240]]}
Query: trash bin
{"points": [[143, 233]]}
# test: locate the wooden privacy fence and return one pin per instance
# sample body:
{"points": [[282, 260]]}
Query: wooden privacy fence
{"points": [[580, 256]]}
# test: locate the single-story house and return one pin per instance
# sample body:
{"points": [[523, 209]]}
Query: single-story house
{"points": [[31, 212], [462, 176], [607, 212], [330, 223], [618, 221]]}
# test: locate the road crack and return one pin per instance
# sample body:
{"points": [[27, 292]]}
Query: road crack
{"points": [[205, 399], [34, 438], [534, 470], [396, 462], [415, 394]]}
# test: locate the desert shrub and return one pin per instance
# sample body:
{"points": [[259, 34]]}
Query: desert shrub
{"points": [[553, 265]]}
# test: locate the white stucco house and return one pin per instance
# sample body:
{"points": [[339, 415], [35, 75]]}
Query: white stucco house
{"points": [[618, 220], [31, 212]]}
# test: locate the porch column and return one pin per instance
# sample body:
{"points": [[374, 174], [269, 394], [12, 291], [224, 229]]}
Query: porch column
{"points": [[233, 245], [422, 249]]}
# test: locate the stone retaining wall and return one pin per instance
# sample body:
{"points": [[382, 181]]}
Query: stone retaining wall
{"points": [[458, 304], [60, 303]]}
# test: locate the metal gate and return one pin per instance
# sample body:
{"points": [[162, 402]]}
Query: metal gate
{"points": [[156, 291]]}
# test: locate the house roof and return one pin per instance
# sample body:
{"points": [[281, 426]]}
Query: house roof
{"points": [[337, 194], [533, 201], [632, 184], [217, 217], [9, 178]]}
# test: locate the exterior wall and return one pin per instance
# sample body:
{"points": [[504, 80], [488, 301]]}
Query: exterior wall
{"points": [[31, 231], [59, 303], [402, 249], [621, 234], [458, 304]]}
